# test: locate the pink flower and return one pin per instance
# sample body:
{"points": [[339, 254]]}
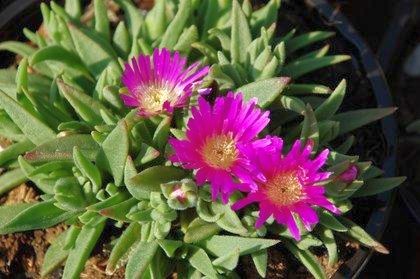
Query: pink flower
{"points": [[160, 83], [290, 188], [349, 175], [217, 141]]}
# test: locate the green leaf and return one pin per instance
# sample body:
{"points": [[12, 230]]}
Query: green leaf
{"points": [[199, 259], [124, 244], [59, 54], [140, 259], [297, 69], [62, 149], [174, 30], [298, 89], [228, 261], [40, 215], [307, 39], [19, 48], [329, 221], [260, 259], [331, 105], [119, 211], [358, 233], [378, 185], [219, 244], [205, 212], [94, 51], [33, 128], [73, 8], [187, 38], [266, 91], [55, 255], [86, 107], [307, 259], [115, 151], [121, 40], [149, 180], [265, 16], [223, 38], [101, 18], [11, 179], [327, 237], [10, 211], [156, 20], [240, 34], [133, 17], [85, 242], [169, 246], [310, 129], [87, 168], [228, 221], [354, 119], [13, 151], [199, 230]]}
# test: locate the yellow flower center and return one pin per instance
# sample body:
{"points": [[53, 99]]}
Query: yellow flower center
{"points": [[153, 97], [283, 189], [220, 151]]}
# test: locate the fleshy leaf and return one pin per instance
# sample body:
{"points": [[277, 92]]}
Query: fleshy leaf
{"points": [[140, 259], [266, 91], [55, 255]]}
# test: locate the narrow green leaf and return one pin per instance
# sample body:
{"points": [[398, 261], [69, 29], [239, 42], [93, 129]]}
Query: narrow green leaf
{"points": [[34, 129], [260, 259], [121, 40], [140, 259], [358, 233], [149, 180], [307, 39], [331, 105], [62, 149], [265, 16], [240, 34], [19, 48], [87, 168], [229, 221], [199, 230], [59, 54], [115, 151], [199, 259], [73, 8], [10, 211], [95, 52], [55, 255], [82, 249], [40, 215], [378, 185], [156, 21], [298, 89], [310, 129], [174, 30], [169, 246], [297, 69], [219, 244], [13, 151], [187, 38], [329, 221], [354, 119], [327, 237], [266, 91], [228, 261], [124, 244], [133, 17], [11, 179], [307, 259], [86, 107], [101, 18]]}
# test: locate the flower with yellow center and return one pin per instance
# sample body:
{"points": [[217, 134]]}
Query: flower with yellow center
{"points": [[217, 140], [160, 82], [291, 187]]}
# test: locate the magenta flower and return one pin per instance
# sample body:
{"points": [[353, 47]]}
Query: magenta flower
{"points": [[160, 83], [349, 175], [217, 141], [289, 189]]}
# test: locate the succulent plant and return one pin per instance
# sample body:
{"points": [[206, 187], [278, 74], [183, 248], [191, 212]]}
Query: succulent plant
{"points": [[99, 163]]}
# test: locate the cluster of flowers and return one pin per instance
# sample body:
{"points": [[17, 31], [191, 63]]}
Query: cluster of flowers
{"points": [[222, 146]]}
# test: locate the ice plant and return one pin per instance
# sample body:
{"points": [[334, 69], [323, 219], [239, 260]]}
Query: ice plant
{"points": [[290, 188], [349, 175], [160, 82], [217, 140], [97, 165]]}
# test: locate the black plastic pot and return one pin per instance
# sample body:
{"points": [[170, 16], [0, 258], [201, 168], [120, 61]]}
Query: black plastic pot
{"points": [[25, 13], [373, 71]]}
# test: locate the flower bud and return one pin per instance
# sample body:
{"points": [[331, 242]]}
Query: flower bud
{"points": [[349, 175], [180, 194]]}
